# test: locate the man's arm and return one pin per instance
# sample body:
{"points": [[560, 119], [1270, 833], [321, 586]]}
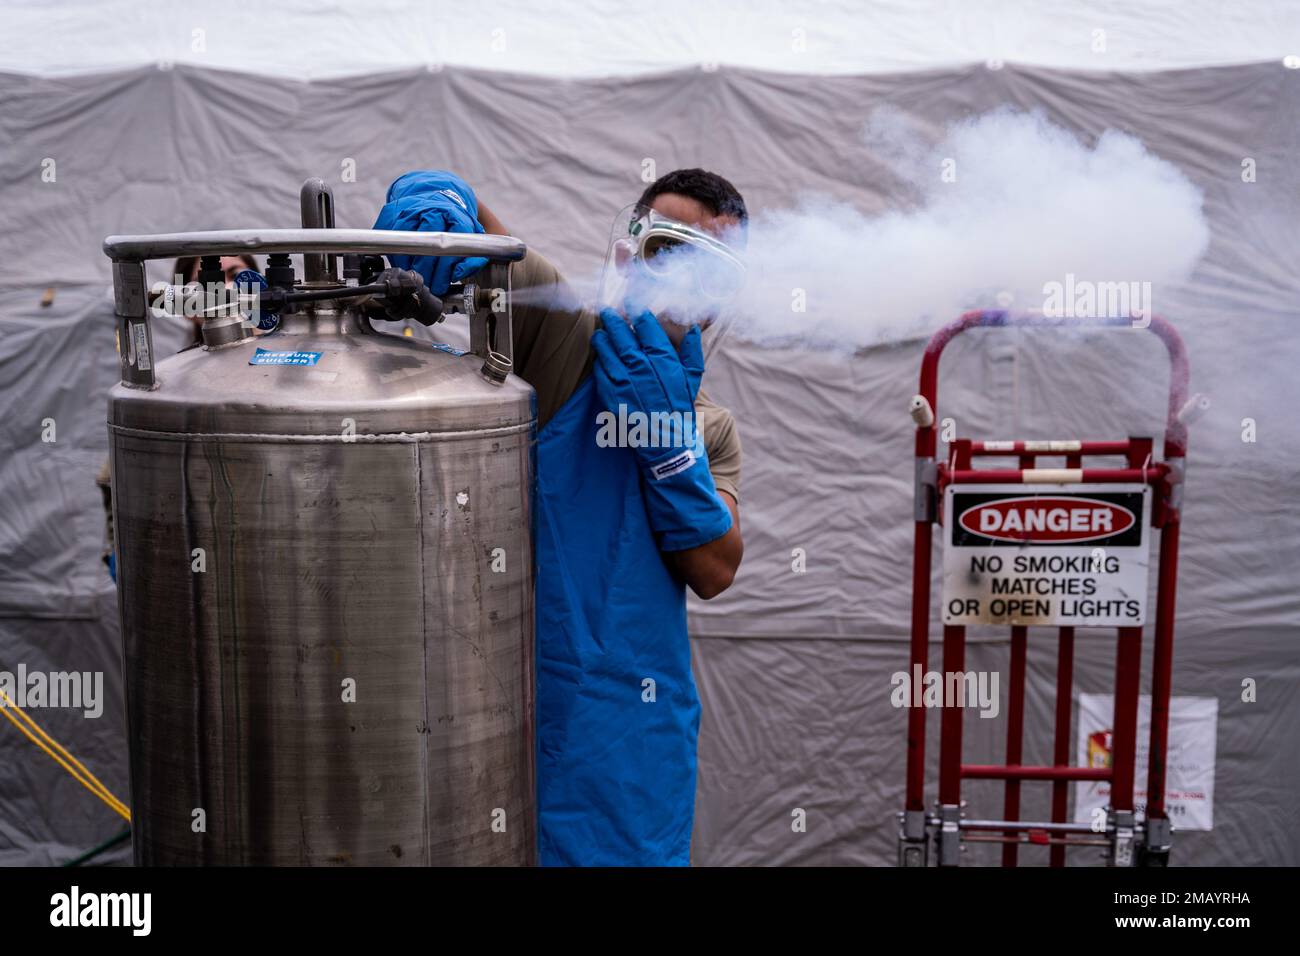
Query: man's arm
{"points": [[490, 223], [551, 329], [710, 568]]}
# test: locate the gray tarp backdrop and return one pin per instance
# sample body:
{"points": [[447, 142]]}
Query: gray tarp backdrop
{"points": [[793, 668]]}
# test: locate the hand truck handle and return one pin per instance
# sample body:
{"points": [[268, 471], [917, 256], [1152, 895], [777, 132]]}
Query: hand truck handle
{"points": [[1175, 427]]}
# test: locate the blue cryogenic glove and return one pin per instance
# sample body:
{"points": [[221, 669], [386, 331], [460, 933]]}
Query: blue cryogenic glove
{"points": [[638, 368], [432, 201]]}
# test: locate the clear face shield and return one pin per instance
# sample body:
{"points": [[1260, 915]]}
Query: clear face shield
{"points": [[682, 274]]}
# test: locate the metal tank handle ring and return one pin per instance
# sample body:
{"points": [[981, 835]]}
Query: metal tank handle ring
{"points": [[129, 253]]}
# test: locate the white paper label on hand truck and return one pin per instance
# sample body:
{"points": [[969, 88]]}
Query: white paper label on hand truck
{"points": [[1189, 759], [1069, 555]]}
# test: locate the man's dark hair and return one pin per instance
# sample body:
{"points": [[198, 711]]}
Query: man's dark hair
{"points": [[710, 190]]}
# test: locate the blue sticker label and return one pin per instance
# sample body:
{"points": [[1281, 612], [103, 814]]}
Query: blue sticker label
{"points": [[265, 357], [443, 347]]}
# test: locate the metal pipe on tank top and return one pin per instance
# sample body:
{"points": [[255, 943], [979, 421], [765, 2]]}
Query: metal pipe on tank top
{"points": [[317, 205]]}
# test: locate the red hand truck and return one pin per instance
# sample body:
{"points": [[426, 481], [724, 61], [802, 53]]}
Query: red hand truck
{"points": [[945, 827]]}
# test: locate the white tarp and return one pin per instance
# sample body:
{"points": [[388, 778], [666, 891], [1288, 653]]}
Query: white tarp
{"points": [[313, 39], [794, 662]]}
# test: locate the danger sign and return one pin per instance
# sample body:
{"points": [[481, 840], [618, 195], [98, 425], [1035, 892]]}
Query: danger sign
{"points": [[1073, 555], [1047, 519]]}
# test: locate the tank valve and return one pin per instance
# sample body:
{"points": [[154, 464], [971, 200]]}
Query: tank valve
{"points": [[408, 298], [496, 367]]}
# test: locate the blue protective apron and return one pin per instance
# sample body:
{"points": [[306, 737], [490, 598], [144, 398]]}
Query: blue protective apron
{"points": [[615, 752]]}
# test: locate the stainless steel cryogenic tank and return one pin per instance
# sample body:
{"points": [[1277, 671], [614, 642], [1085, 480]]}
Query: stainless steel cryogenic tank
{"points": [[324, 572]]}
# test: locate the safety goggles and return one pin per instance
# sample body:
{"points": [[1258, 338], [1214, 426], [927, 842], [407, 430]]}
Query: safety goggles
{"points": [[669, 250]]}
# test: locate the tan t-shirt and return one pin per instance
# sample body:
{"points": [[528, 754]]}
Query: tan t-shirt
{"points": [[552, 344]]}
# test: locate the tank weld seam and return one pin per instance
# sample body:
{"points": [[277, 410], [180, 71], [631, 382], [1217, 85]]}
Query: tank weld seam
{"points": [[355, 439], [424, 653]]}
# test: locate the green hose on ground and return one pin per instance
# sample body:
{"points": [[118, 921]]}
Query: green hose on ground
{"points": [[106, 845]]}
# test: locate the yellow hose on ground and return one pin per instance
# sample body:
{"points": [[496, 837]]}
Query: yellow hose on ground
{"points": [[66, 761]]}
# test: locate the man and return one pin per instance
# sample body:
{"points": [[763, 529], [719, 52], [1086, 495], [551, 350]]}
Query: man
{"points": [[621, 531]]}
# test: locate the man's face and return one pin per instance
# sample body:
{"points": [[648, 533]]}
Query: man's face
{"points": [[232, 266], [693, 213]]}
